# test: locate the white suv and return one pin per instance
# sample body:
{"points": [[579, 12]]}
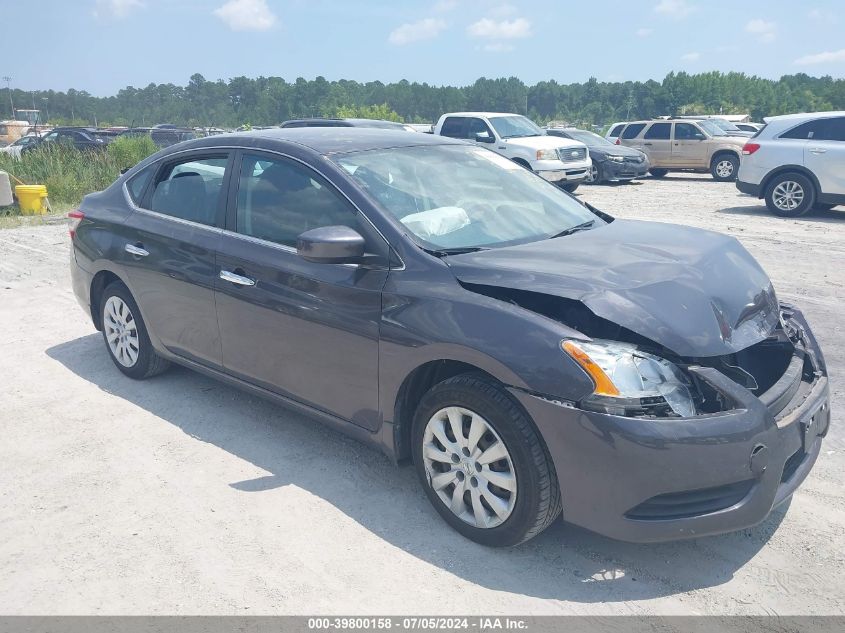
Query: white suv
{"points": [[561, 161], [796, 162]]}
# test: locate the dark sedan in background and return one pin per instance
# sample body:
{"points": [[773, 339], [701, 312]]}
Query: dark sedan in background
{"points": [[530, 354], [610, 162]]}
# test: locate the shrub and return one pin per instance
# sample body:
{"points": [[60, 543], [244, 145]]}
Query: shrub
{"points": [[70, 174]]}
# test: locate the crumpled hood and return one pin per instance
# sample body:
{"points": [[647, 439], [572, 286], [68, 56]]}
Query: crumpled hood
{"points": [[696, 292]]}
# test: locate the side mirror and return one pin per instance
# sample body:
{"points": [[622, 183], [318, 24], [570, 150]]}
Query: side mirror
{"points": [[484, 137], [331, 245], [699, 136]]}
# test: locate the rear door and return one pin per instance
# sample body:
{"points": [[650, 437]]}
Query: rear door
{"points": [[689, 146], [171, 240], [304, 330], [657, 144], [454, 127], [824, 154]]}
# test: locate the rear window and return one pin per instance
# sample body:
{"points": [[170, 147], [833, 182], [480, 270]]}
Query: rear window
{"points": [[616, 130], [633, 130], [138, 183], [659, 131], [832, 129]]}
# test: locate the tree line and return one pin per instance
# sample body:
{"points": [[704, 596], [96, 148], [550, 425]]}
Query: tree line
{"points": [[271, 100]]}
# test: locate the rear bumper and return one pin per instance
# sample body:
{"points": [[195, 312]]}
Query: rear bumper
{"points": [[80, 280], [749, 188], [648, 480]]}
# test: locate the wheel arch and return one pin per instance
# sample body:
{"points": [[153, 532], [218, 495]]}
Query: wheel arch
{"points": [[783, 169], [522, 161], [722, 152], [98, 284], [415, 385]]}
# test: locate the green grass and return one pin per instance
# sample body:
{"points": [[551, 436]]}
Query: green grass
{"points": [[70, 174]]}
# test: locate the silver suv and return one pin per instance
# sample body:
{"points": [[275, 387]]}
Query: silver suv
{"points": [[797, 163], [685, 145]]}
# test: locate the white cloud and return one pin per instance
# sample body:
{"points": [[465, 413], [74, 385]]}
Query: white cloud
{"points": [[491, 29], [828, 57], [764, 30], [116, 8], [821, 15], [674, 8], [690, 57], [644, 32], [246, 15], [416, 31]]}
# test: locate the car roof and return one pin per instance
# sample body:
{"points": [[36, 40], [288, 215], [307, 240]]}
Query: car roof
{"points": [[324, 140], [489, 115], [801, 116]]}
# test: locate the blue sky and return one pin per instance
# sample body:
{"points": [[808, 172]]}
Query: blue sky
{"points": [[103, 45]]}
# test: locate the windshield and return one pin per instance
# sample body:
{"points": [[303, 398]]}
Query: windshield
{"points": [[711, 128], [727, 126], [588, 138], [515, 126], [457, 196]]}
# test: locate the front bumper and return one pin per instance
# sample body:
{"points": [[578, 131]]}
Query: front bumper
{"points": [[626, 170], [647, 480], [576, 174]]}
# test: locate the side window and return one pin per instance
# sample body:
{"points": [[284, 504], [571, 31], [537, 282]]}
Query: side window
{"points": [[805, 131], [659, 131], [477, 126], [616, 130], [138, 183], [831, 130], [279, 199], [633, 130], [190, 190], [455, 127], [51, 137], [686, 132]]}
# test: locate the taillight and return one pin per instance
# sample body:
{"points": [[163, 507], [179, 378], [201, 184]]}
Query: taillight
{"points": [[75, 218], [617, 142], [750, 148]]}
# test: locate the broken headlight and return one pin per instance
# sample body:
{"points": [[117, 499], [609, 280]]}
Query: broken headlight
{"points": [[631, 382]]}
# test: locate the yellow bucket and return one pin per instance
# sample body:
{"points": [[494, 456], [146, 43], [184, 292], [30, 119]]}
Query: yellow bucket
{"points": [[32, 199]]}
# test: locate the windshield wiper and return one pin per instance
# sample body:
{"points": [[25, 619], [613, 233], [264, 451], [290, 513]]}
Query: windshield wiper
{"points": [[458, 250], [574, 229]]}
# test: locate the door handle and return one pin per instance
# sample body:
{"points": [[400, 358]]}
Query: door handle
{"points": [[239, 280], [137, 250], [649, 144], [817, 150]]}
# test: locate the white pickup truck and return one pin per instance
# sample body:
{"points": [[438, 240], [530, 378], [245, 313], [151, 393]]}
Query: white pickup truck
{"points": [[561, 161]]}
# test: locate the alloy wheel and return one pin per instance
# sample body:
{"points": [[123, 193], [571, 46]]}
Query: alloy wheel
{"points": [[469, 467], [724, 169], [121, 331], [788, 195], [593, 174]]}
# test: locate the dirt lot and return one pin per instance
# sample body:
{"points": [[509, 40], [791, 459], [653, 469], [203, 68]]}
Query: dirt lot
{"points": [[181, 495]]}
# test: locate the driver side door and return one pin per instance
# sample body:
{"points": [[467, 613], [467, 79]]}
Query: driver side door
{"points": [[307, 331]]}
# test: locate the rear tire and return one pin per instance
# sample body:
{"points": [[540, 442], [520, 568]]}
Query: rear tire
{"points": [[724, 167], [790, 195], [658, 173], [125, 334], [570, 186], [454, 474]]}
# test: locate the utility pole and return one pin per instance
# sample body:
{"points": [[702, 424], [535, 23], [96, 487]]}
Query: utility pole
{"points": [[46, 110], [8, 81]]}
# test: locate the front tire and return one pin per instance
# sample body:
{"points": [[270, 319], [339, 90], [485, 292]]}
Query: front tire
{"points": [[724, 167], [658, 173], [594, 177], [790, 195], [125, 334], [481, 463]]}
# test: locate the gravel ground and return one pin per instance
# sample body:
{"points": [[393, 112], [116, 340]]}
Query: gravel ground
{"points": [[183, 496]]}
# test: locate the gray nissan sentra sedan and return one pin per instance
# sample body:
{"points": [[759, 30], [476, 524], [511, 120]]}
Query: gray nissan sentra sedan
{"points": [[528, 353]]}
